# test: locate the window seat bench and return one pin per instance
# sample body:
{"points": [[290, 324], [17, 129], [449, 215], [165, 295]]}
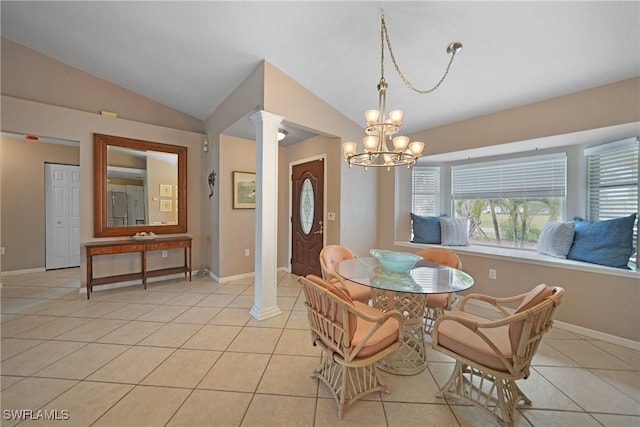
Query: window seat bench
{"points": [[527, 256]]}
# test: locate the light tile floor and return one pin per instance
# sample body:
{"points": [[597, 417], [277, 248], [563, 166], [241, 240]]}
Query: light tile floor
{"points": [[189, 354]]}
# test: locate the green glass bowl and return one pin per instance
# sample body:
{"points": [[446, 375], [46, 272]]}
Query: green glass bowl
{"points": [[395, 262]]}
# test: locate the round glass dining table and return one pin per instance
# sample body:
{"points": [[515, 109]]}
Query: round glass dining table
{"points": [[406, 293]]}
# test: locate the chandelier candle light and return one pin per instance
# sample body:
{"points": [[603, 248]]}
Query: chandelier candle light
{"points": [[381, 128]]}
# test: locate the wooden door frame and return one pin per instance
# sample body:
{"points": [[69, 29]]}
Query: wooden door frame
{"points": [[322, 157]]}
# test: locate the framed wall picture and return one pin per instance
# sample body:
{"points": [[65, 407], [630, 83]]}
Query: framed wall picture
{"points": [[165, 190], [244, 190], [165, 205]]}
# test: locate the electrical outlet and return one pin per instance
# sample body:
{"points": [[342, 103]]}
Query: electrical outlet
{"points": [[2, 250], [331, 216], [246, 252], [492, 273], [164, 254]]}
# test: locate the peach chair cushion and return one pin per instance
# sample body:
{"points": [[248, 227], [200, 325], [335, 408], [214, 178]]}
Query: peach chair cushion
{"points": [[333, 289], [440, 256], [438, 300], [461, 340], [386, 335], [333, 254], [357, 291], [533, 298]]}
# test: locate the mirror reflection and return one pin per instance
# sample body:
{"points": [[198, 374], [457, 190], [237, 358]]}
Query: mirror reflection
{"points": [[142, 187]]}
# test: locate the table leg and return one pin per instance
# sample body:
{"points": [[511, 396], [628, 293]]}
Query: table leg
{"points": [[190, 250], [89, 274], [144, 268]]}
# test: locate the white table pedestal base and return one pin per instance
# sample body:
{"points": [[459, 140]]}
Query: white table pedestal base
{"points": [[411, 358]]}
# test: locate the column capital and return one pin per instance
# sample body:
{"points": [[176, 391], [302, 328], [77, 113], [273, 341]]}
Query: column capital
{"points": [[262, 116]]}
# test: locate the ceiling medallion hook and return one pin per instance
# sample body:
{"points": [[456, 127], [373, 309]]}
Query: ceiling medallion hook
{"points": [[381, 128]]}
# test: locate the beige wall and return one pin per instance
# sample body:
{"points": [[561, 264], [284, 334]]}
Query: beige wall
{"points": [[354, 199], [238, 232], [29, 75], [42, 96], [34, 118], [245, 99], [599, 302], [23, 209], [613, 104]]}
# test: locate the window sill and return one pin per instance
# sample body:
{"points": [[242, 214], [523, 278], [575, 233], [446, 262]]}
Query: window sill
{"points": [[529, 257]]}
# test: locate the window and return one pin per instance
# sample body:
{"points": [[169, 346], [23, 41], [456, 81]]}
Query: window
{"points": [[425, 185], [509, 201], [612, 182]]}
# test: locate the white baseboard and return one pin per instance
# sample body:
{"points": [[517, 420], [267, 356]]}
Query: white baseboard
{"points": [[28, 270], [613, 339], [239, 276]]}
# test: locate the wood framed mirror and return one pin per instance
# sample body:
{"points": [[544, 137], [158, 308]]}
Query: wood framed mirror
{"points": [[138, 186]]}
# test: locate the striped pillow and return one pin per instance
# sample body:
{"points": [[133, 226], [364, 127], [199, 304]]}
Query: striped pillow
{"points": [[556, 238], [454, 231]]}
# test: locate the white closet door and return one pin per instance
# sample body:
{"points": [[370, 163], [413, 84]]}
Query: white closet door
{"points": [[62, 206], [135, 204]]}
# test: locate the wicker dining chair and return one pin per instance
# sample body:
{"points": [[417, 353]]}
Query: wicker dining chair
{"points": [[330, 256], [353, 337], [436, 304], [492, 354]]}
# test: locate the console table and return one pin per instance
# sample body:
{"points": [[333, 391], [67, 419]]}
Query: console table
{"points": [[126, 246]]}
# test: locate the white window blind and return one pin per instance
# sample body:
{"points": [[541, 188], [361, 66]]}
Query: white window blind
{"points": [[425, 184], [530, 177], [612, 181]]}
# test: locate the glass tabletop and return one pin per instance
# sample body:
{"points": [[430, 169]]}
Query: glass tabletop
{"points": [[423, 278]]}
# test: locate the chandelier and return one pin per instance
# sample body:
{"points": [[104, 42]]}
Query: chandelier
{"points": [[382, 129]]}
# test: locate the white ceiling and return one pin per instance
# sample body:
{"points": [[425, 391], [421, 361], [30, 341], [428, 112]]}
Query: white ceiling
{"points": [[191, 55]]}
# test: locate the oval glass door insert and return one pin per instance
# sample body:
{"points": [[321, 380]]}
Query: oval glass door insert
{"points": [[307, 206]]}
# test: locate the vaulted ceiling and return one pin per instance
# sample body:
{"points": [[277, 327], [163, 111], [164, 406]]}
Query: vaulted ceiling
{"points": [[191, 55]]}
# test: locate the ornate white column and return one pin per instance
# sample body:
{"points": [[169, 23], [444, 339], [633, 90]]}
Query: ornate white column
{"points": [[265, 303]]}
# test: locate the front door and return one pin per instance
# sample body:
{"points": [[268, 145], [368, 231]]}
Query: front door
{"points": [[307, 180]]}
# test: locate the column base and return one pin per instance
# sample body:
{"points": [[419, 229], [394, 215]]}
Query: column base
{"points": [[264, 313]]}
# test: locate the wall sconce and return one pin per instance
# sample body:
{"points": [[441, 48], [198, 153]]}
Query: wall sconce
{"points": [[205, 145], [212, 181]]}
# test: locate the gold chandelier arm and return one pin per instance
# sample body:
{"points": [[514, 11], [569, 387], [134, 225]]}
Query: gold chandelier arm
{"points": [[384, 35]]}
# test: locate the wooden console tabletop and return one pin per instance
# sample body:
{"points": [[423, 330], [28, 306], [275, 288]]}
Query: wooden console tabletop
{"points": [[125, 246]]}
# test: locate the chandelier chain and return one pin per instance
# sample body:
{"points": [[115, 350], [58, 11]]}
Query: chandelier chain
{"points": [[384, 36]]}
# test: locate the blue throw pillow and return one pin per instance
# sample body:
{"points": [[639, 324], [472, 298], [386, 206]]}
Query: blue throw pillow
{"points": [[604, 242], [426, 229]]}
